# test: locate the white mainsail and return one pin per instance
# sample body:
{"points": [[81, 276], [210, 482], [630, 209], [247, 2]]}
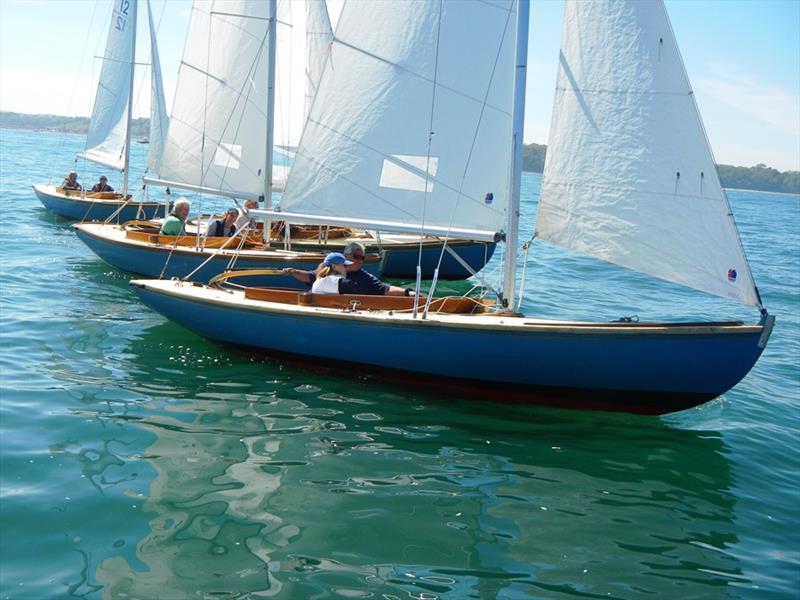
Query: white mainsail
{"points": [[411, 123], [106, 140], [159, 119], [216, 138], [319, 36], [629, 176]]}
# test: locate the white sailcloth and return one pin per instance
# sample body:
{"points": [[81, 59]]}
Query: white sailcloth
{"points": [[217, 129], [319, 36], [290, 64], [159, 119], [105, 142], [629, 176], [412, 120]]}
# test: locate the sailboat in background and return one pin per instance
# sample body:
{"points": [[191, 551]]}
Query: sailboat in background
{"points": [[625, 116], [237, 99], [109, 137]]}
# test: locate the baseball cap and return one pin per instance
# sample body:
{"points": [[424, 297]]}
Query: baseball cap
{"points": [[336, 258]]}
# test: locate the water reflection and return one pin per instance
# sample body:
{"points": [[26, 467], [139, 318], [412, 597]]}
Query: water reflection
{"points": [[275, 481]]}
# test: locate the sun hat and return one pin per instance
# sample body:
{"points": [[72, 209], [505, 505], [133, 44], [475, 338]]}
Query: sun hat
{"points": [[336, 258]]}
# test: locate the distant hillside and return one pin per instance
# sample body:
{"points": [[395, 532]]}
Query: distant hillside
{"points": [[80, 125], [533, 157], [759, 177]]}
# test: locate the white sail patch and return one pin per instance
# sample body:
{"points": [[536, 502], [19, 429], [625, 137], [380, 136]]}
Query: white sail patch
{"points": [[228, 156], [409, 172]]}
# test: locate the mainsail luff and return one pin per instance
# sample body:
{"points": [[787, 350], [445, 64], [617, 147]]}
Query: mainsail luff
{"points": [[129, 115], [270, 117], [520, 78], [628, 169], [109, 124], [366, 138]]}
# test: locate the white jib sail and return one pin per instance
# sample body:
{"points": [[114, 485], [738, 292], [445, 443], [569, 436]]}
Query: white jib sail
{"points": [[411, 124], [105, 142], [629, 176], [290, 59], [159, 119], [217, 129], [319, 36]]}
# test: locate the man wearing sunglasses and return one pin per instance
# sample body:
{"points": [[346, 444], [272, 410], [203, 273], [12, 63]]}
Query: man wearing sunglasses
{"points": [[358, 281]]}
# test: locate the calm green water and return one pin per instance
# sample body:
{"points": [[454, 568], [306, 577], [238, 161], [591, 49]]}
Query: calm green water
{"points": [[141, 461]]}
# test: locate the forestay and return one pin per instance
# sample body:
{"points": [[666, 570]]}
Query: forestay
{"points": [[217, 129], [159, 119], [398, 72], [105, 142], [629, 176]]}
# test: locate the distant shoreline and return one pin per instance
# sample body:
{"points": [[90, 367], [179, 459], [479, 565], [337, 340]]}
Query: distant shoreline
{"points": [[733, 189], [759, 178]]}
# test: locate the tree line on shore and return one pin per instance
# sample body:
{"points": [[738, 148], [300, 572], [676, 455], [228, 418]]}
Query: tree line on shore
{"points": [[78, 125], [759, 177]]}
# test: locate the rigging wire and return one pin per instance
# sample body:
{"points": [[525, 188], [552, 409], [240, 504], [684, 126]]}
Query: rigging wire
{"points": [[472, 146], [526, 247], [427, 171]]}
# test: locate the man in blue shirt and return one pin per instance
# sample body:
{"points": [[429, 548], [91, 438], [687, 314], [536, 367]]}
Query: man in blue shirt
{"points": [[358, 281]]}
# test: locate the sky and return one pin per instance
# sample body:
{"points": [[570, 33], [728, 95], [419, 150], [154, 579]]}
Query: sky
{"points": [[742, 57]]}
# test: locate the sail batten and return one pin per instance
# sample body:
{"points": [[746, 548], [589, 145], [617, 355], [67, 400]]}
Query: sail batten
{"points": [[629, 176]]}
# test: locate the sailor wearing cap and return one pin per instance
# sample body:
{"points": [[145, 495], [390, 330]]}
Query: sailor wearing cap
{"points": [[330, 273]]}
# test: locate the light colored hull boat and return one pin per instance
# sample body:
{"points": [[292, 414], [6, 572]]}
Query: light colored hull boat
{"points": [[94, 206]]}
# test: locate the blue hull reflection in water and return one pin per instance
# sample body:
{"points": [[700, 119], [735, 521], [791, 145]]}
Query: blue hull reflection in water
{"points": [[307, 490]]}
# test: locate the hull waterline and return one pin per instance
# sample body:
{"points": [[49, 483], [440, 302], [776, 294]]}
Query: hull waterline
{"points": [[93, 209], [652, 369]]}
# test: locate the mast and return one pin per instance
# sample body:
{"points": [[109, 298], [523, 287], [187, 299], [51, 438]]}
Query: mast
{"points": [[512, 235], [271, 41], [126, 166]]}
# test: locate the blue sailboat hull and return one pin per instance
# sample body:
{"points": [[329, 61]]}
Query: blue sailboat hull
{"points": [[401, 262], [88, 209], [639, 368], [168, 262]]}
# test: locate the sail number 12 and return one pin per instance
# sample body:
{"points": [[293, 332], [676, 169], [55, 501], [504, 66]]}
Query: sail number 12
{"points": [[122, 17]]}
